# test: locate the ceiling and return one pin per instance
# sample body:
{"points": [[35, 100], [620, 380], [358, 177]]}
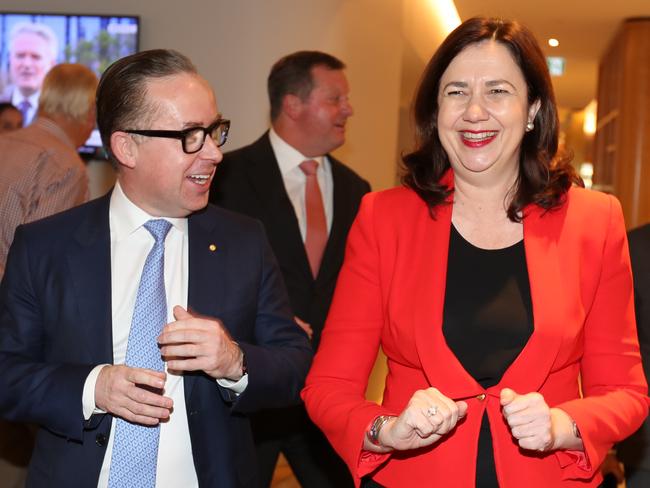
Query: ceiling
{"points": [[583, 27]]}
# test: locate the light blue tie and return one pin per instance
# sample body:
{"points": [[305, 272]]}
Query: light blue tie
{"points": [[135, 449]]}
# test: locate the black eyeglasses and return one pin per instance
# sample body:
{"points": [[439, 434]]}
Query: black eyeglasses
{"points": [[192, 138]]}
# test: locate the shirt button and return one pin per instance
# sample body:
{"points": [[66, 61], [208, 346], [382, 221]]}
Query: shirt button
{"points": [[480, 397]]}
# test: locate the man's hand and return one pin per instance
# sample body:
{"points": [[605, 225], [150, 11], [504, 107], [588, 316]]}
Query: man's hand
{"points": [[133, 394], [195, 343], [304, 326]]}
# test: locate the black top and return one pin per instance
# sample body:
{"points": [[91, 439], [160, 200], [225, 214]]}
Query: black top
{"points": [[488, 318]]}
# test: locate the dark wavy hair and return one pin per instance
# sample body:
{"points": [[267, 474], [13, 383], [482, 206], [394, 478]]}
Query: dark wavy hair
{"points": [[544, 174]]}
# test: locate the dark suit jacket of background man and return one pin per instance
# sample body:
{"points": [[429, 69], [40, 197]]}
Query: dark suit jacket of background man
{"points": [[249, 181], [55, 319], [635, 450]]}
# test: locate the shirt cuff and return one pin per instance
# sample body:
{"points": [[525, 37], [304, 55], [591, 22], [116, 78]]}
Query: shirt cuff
{"points": [[88, 395], [236, 387]]}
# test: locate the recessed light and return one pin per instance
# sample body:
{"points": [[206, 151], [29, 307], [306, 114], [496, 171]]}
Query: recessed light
{"points": [[553, 42]]}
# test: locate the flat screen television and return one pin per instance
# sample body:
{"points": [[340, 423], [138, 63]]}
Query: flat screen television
{"points": [[93, 40]]}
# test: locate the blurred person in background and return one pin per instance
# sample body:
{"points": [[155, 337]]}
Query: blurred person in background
{"points": [[41, 172], [10, 117], [498, 288], [33, 49], [634, 451]]}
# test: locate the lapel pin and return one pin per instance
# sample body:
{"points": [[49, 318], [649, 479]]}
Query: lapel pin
{"points": [[212, 248]]}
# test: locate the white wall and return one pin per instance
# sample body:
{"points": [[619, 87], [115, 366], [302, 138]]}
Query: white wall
{"points": [[234, 44]]}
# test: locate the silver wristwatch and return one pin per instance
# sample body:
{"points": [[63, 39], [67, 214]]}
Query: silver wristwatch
{"points": [[375, 428]]}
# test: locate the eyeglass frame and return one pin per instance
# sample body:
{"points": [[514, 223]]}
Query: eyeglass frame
{"points": [[182, 134]]}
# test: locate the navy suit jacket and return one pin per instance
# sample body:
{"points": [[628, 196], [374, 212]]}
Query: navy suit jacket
{"points": [[55, 326]]}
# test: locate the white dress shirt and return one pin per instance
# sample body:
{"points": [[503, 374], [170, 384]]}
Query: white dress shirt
{"points": [[17, 98], [130, 245], [289, 159]]}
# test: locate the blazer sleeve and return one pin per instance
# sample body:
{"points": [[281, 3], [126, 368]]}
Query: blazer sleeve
{"points": [[614, 388], [32, 389], [336, 384], [278, 355]]}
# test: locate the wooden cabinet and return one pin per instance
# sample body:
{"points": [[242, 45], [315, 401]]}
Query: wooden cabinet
{"points": [[622, 142]]}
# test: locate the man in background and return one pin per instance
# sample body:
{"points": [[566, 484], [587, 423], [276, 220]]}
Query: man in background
{"points": [[140, 329], [33, 49], [307, 201], [41, 174], [634, 451]]}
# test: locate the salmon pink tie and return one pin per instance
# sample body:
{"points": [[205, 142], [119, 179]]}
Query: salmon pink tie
{"points": [[316, 223]]}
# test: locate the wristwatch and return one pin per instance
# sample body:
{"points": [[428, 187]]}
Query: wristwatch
{"points": [[375, 428]]}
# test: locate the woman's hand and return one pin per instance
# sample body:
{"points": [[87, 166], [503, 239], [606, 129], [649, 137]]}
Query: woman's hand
{"points": [[535, 425], [428, 416]]}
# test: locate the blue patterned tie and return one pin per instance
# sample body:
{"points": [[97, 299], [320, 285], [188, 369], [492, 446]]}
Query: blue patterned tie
{"points": [[135, 449]]}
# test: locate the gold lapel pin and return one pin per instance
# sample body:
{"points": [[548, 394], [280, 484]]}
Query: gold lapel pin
{"points": [[212, 248]]}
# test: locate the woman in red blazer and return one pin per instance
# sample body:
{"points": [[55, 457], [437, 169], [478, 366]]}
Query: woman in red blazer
{"points": [[500, 292]]}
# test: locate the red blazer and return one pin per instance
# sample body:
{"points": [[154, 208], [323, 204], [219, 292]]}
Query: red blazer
{"points": [[390, 293]]}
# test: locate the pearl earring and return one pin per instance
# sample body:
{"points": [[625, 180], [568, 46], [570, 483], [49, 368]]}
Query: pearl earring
{"points": [[529, 126]]}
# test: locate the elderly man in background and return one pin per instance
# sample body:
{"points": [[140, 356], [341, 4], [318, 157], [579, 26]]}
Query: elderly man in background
{"points": [[33, 51], [41, 174]]}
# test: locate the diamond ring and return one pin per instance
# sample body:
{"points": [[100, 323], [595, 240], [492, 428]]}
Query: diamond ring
{"points": [[432, 410]]}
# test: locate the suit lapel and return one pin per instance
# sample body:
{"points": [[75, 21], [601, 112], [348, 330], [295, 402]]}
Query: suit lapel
{"points": [[89, 261], [207, 255], [440, 365], [541, 235], [278, 213]]}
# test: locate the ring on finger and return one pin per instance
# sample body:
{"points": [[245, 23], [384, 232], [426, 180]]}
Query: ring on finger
{"points": [[432, 410]]}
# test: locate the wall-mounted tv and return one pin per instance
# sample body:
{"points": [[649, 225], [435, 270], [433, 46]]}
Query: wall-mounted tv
{"points": [[30, 43]]}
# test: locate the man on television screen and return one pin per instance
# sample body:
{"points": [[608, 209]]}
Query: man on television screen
{"points": [[33, 50]]}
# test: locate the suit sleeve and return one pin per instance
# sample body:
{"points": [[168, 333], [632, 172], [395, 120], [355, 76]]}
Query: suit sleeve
{"points": [[279, 355], [31, 389], [614, 388], [336, 384]]}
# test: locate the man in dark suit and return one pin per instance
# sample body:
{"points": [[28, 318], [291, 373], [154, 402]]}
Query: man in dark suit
{"points": [[634, 452], [139, 329], [307, 217]]}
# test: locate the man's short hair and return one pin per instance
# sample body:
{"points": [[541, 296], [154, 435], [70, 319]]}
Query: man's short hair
{"points": [[41, 30], [68, 90], [122, 93], [292, 75]]}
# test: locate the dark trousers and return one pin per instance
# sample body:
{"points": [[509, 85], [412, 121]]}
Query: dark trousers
{"points": [[312, 459]]}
